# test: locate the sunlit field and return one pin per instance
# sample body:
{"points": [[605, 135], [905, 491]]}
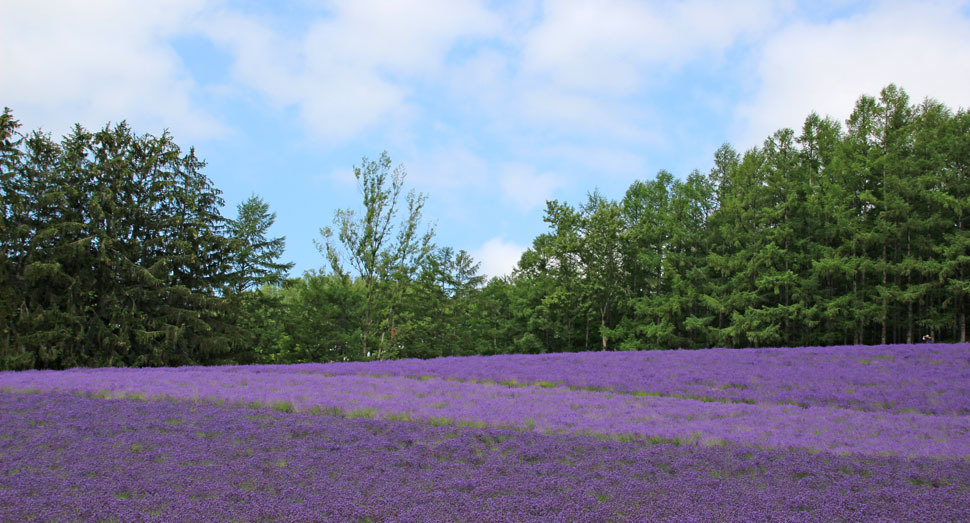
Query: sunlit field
{"points": [[805, 434]]}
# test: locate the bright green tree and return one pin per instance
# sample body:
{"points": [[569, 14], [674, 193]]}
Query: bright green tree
{"points": [[384, 253]]}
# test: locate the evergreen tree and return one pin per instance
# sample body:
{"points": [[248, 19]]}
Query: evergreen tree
{"points": [[647, 236], [12, 354], [461, 283], [831, 219], [495, 318], [952, 195], [323, 319], [115, 254], [255, 257]]}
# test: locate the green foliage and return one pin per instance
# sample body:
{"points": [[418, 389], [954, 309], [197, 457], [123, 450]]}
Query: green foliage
{"points": [[113, 252], [254, 256], [824, 237], [386, 256]]}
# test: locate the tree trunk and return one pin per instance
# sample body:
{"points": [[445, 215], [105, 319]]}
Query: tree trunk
{"points": [[569, 332], [862, 324], [960, 329], [909, 322], [857, 335], [365, 330], [390, 325], [787, 336], [961, 306], [961, 302], [603, 324], [885, 301], [909, 281]]}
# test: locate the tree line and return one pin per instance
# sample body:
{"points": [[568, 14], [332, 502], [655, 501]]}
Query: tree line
{"points": [[821, 237], [115, 253]]}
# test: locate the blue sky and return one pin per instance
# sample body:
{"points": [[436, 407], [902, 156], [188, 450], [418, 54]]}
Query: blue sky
{"points": [[492, 107]]}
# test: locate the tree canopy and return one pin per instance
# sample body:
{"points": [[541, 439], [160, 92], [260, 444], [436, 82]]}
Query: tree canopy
{"points": [[115, 253]]}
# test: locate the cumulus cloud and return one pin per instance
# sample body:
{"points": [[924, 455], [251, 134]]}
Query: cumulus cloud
{"points": [[613, 47], [826, 66], [453, 176], [583, 70], [571, 114], [81, 62], [498, 257], [354, 68]]}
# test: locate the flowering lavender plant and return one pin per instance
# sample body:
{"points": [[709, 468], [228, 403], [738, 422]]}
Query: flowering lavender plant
{"points": [[932, 378], [69, 458], [706, 435], [544, 409]]}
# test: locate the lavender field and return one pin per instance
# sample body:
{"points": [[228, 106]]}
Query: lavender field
{"points": [[809, 434]]}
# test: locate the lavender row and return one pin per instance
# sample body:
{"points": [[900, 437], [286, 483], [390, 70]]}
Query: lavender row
{"points": [[546, 410], [68, 458], [932, 378]]}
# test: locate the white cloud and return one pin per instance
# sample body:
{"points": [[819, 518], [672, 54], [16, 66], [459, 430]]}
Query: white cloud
{"points": [[452, 176], [580, 69], [613, 47], [572, 114], [68, 62], [353, 69], [528, 189], [482, 82], [396, 36], [498, 257], [922, 47]]}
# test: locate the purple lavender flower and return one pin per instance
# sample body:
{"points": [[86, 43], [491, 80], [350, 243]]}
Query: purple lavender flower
{"points": [[67, 458], [843, 433]]}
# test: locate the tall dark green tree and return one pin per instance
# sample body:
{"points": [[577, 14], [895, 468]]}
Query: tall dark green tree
{"points": [[116, 253], [829, 298], [496, 319], [546, 296], [646, 238], [953, 248], [255, 271], [712, 322], [460, 283], [320, 319], [12, 353]]}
